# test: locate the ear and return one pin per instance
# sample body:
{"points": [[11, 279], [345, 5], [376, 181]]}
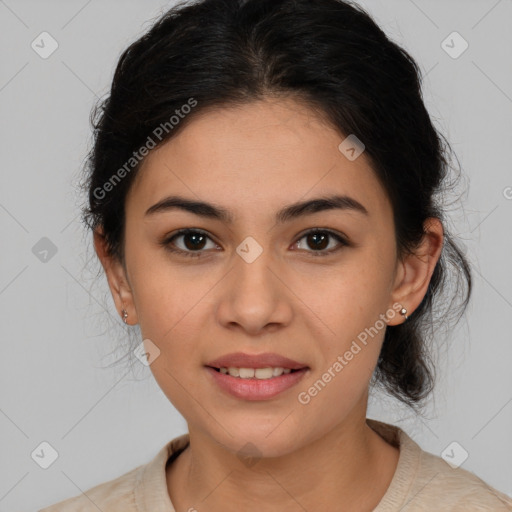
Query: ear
{"points": [[116, 277], [415, 270]]}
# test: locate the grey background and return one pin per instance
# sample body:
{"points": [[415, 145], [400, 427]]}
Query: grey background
{"points": [[56, 337]]}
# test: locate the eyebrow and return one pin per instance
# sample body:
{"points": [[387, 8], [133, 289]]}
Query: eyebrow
{"points": [[289, 212]]}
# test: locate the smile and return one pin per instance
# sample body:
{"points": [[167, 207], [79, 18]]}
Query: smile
{"points": [[257, 373], [255, 383]]}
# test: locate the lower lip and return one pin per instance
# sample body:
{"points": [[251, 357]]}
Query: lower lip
{"points": [[256, 389]]}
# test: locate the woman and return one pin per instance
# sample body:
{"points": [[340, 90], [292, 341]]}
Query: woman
{"points": [[263, 199]]}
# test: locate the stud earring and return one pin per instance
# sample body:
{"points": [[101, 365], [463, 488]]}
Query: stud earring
{"points": [[403, 312], [125, 316]]}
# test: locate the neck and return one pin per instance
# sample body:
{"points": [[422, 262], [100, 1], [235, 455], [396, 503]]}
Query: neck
{"points": [[350, 468]]}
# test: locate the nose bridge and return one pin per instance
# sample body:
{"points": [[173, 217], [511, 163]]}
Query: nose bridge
{"points": [[253, 296], [252, 270]]}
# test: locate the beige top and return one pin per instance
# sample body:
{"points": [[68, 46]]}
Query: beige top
{"points": [[422, 482]]}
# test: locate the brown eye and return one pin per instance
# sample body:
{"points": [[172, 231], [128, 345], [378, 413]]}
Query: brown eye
{"points": [[193, 242], [318, 240]]}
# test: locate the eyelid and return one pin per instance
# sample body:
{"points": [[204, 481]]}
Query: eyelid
{"points": [[335, 234], [339, 237], [166, 242]]}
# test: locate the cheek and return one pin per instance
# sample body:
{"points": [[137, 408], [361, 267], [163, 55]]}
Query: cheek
{"points": [[167, 295], [345, 315], [340, 383], [344, 300], [347, 364], [167, 312], [167, 309]]}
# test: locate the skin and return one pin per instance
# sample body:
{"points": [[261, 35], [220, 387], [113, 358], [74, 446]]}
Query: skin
{"points": [[253, 160]]}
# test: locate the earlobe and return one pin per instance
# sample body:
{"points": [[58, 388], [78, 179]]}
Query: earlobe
{"points": [[415, 271], [116, 278]]}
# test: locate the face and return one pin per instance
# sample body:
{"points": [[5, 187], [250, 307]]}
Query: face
{"points": [[304, 286]]}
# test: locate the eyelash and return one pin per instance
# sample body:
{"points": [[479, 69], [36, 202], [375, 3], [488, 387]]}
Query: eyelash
{"points": [[167, 243]]}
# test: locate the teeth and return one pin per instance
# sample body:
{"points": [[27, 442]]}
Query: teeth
{"points": [[277, 371], [245, 373], [234, 372], [258, 373]]}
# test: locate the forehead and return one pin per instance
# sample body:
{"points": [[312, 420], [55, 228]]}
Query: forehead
{"points": [[256, 158]]}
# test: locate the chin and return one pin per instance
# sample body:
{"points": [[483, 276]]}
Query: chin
{"points": [[256, 439]]}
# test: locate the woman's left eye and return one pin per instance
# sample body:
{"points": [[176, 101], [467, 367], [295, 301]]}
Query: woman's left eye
{"points": [[319, 239], [194, 241]]}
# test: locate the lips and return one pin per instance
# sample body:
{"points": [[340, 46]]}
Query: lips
{"points": [[265, 360], [255, 389]]}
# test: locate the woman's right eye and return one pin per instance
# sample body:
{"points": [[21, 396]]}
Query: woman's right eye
{"points": [[193, 241]]}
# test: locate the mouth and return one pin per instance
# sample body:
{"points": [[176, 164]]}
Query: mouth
{"points": [[255, 384], [265, 373]]}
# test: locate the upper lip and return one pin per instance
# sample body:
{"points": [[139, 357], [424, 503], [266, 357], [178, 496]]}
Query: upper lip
{"points": [[242, 360]]}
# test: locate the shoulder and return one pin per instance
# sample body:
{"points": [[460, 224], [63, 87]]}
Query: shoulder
{"points": [[138, 490], [457, 489], [424, 481], [115, 495]]}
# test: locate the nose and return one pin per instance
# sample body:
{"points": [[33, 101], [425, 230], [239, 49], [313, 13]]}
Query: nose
{"points": [[254, 297]]}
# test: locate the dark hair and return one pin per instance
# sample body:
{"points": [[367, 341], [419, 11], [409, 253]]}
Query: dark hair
{"points": [[330, 55]]}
